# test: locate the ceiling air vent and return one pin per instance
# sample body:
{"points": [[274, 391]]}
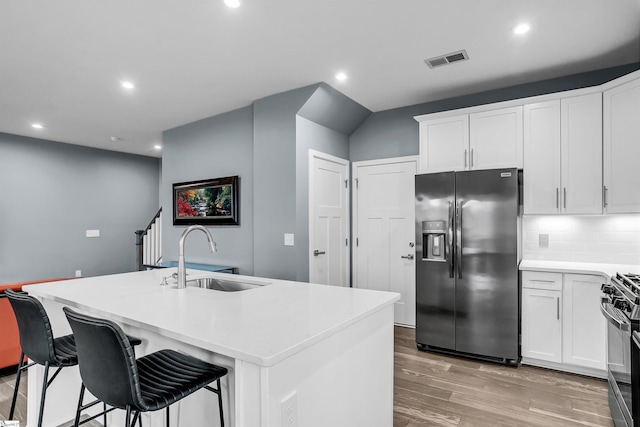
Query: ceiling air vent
{"points": [[437, 61]]}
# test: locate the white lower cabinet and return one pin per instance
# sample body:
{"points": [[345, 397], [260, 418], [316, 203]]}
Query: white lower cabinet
{"points": [[541, 317], [584, 327], [562, 327]]}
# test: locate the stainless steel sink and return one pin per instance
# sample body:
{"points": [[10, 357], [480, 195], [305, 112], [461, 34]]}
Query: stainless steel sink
{"points": [[225, 285]]}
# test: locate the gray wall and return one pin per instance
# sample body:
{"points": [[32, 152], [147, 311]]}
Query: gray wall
{"points": [[274, 153], [52, 193], [216, 147], [394, 133]]}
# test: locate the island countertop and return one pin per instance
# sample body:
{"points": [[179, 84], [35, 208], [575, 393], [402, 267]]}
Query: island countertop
{"points": [[264, 325]]}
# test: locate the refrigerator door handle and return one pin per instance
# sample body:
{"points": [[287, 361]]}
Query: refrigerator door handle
{"points": [[459, 239], [449, 247]]}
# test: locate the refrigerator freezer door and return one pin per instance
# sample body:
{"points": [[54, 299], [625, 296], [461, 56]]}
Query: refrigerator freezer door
{"points": [[487, 308], [435, 284]]}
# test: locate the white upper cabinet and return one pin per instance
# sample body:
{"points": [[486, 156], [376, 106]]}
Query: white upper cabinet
{"points": [[542, 158], [563, 156], [484, 140], [495, 139], [581, 142], [622, 148], [444, 144]]}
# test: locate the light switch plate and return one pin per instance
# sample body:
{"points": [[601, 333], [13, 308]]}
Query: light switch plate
{"points": [[288, 239], [93, 233], [543, 240]]}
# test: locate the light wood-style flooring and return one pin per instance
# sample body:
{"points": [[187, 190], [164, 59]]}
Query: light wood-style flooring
{"points": [[436, 390]]}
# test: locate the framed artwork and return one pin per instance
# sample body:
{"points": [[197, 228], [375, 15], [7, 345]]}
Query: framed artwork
{"points": [[208, 202]]}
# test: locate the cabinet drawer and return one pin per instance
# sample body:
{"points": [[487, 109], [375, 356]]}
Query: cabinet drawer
{"points": [[542, 280]]}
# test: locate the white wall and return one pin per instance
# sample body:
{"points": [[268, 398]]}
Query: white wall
{"points": [[602, 238]]}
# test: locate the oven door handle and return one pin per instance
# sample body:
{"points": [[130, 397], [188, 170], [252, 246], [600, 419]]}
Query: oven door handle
{"points": [[636, 338], [623, 326]]}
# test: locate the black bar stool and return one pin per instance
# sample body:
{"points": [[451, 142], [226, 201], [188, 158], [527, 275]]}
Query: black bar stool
{"points": [[111, 372], [39, 345]]}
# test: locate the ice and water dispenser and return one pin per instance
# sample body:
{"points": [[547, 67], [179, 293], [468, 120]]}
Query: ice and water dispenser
{"points": [[434, 240]]}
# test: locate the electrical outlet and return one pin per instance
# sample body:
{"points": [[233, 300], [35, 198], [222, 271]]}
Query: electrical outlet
{"points": [[543, 240], [92, 233], [289, 407], [78, 273], [288, 239]]}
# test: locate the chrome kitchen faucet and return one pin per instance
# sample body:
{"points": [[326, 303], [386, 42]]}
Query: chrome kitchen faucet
{"points": [[182, 272]]}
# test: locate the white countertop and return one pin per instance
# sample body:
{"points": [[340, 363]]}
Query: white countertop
{"points": [[264, 325], [606, 270]]}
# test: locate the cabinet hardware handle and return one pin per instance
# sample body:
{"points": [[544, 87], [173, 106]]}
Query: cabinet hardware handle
{"points": [[564, 198], [604, 195], [557, 308], [317, 252], [557, 198], [465, 158], [410, 256], [471, 159]]}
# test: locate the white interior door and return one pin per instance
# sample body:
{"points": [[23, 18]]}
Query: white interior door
{"points": [[328, 219], [384, 216]]}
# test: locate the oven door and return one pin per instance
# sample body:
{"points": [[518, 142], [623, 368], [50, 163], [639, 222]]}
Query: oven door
{"points": [[618, 364]]}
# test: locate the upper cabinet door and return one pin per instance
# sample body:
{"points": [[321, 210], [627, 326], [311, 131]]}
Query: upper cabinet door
{"points": [[495, 139], [622, 148], [581, 142], [542, 158], [444, 144]]}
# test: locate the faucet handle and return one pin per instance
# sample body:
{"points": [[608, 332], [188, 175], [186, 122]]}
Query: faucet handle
{"points": [[164, 282], [175, 276]]}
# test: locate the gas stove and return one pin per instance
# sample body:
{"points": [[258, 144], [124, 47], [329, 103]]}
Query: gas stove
{"points": [[620, 306], [624, 294]]}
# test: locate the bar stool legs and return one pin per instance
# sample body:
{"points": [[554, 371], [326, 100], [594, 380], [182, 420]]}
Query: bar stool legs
{"points": [[46, 382], [15, 390]]}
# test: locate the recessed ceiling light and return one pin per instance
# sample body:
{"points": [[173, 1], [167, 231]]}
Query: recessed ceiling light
{"points": [[521, 28], [232, 3], [158, 147], [37, 126], [341, 76], [127, 85]]}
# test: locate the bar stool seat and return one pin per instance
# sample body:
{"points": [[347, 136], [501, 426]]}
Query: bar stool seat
{"points": [[65, 351], [111, 372]]}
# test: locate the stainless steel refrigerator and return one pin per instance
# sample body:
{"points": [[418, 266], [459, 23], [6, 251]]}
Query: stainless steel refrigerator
{"points": [[467, 293]]}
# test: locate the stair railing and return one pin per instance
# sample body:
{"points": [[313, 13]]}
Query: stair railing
{"points": [[149, 243]]}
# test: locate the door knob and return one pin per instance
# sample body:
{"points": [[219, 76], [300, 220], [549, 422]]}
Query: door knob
{"points": [[317, 252], [410, 256]]}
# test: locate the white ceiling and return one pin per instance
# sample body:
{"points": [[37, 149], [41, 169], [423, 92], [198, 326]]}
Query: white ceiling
{"points": [[62, 61]]}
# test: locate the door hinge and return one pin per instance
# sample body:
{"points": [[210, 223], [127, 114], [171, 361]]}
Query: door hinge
{"points": [[346, 242], [357, 183], [346, 183], [357, 241]]}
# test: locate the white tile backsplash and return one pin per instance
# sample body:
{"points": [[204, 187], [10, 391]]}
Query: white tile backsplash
{"points": [[601, 238]]}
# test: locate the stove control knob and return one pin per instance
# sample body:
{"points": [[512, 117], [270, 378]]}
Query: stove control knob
{"points": [[621, 305]]}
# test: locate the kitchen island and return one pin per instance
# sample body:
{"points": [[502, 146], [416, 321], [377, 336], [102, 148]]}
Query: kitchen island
{"points": [[321, 355]]}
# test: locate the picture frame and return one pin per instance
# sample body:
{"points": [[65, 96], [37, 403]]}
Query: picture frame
{"points": [[207, 202]]}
